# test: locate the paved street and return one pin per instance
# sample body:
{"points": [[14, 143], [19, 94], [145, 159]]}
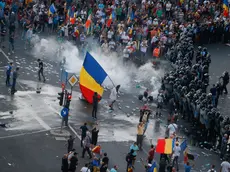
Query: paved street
{"points": [[29, 117], [220, 55]]}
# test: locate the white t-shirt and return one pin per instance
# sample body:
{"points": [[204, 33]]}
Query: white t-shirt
{"points": [[125, 53], [110, 34], [176, 150], [168, 6], [172, 128], [225, 166], [112, 44], [84, 169], [143, 47]]}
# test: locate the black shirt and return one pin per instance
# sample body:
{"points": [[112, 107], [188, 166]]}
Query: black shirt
{"points": [[40, 65], [73, 163], [70, 142], [103, 168], [105, 160], [83, 130]]}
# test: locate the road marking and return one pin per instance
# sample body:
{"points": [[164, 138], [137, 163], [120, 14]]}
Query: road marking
{"points": [[1, 70], [39, 120], [29, 133], [42, 123], [5, 55], [70, 127]]}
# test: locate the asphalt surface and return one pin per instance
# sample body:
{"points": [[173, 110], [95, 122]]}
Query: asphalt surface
{"points": [[29, 117], [220, 55]]}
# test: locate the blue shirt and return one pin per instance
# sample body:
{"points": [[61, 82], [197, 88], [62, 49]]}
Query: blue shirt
{"points": [[187, 168], [55, 20], [101, 6], [135, 148], [8, 70]]}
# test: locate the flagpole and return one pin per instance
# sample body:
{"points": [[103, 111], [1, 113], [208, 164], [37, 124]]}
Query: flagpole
{"points": [[111, 81]]}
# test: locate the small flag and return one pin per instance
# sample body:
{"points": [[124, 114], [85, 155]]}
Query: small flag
{"points": [[225, 8], [52, 9], [88, 22], [113, 15], [96, 149], [153, 168], [130, 169], [164, 146], [183, 145], [109, 21]]}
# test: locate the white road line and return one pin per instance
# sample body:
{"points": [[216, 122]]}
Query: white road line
{"points": [[29, 133], [1, 70], [39, 120], [43, 124], [70, 127], [5, 55]]}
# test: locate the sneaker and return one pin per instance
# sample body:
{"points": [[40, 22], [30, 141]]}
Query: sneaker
{"points": [[12, 52]]}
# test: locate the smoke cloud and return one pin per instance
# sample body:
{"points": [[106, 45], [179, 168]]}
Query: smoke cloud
{"points": [[126, 76]]}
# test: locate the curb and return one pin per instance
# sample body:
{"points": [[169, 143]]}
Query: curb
{"points": [[57, 132]]}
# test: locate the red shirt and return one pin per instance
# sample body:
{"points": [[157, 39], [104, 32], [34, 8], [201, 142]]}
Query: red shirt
{"points": [[109, 11], [151, 153]]}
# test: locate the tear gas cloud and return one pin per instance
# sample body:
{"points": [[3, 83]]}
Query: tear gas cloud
{"points": [[112, 63]]}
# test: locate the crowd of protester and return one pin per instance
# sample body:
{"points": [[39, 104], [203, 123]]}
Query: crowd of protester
{"points": [[139, 29]]}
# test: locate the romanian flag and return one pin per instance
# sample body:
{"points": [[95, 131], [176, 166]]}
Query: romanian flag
{"points": [[72, 20], [153, 168], [164, 146], [130, 169], [225, 8], [88, 21], [52, 9], [109, 21], [92, 75], [96, 149]]}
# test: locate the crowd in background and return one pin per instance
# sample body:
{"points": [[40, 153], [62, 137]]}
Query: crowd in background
{"points": [[134, 28], [138, 30]]}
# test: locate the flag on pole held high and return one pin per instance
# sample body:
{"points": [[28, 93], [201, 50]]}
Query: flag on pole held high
{"points": [[164, 146], [92, 75], [88, 21], [109, 21], [52, 9], [225, 8]]}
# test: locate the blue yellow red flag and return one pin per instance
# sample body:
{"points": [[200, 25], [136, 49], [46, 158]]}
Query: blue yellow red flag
{"points": [[92, 75], [153, 168], [225, 8]]}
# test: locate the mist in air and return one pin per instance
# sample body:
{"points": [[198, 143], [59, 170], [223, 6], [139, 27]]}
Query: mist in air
{"points": [[126, 76]]}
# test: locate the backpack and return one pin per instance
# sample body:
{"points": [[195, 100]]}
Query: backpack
{"points": [[128, 158]]}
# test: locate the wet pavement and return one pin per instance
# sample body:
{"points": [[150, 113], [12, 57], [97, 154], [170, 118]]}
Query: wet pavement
{"points": [[27, 113]]}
